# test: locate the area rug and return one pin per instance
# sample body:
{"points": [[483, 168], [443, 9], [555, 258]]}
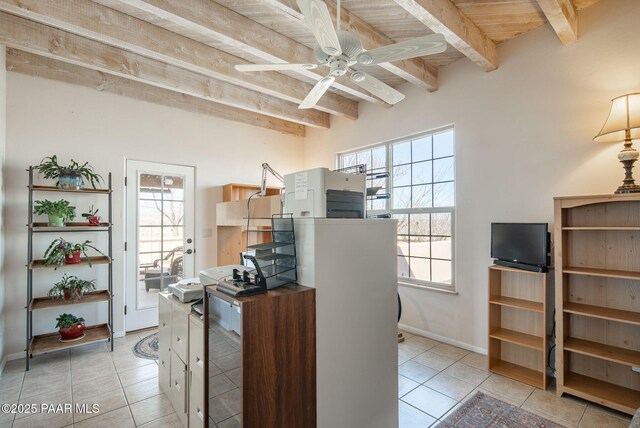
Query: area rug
{"points": [[484, 411], [147, 347]]}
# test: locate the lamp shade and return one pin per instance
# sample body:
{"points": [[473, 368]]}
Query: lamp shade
{"points": [[624, 116]]}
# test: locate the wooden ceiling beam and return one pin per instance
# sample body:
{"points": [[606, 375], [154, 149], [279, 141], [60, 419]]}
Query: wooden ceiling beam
{"points": [[413, 70], [442, 16], [39, 66], [109, 26], [563, 17], [29, 36], [211, 23]]}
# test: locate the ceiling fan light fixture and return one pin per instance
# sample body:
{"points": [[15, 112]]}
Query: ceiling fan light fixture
{"points": [[365, 59], [357, 76]]}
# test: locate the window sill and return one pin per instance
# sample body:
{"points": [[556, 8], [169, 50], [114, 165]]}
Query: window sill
{"points": [[451, 291]]}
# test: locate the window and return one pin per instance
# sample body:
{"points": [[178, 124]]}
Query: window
{"points": [[421, 185]]}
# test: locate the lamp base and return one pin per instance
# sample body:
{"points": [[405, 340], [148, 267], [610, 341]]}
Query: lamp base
{"points": [[627, 157], [627, 189]]}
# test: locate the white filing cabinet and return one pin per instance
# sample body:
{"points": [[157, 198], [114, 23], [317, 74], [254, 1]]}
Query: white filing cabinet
{"points": [[181, 359], [352, 265]]}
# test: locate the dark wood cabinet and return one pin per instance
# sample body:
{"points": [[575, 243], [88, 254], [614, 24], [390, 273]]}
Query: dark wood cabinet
{"points": [[261, 353]]}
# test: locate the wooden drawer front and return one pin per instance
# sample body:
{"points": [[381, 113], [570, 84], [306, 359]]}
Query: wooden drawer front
{"points": [[180, 334], [178, 390], [196, 403], [164, 369], [196, 349]]}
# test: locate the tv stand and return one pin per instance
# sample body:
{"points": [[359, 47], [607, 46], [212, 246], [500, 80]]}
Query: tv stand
{"points": [[523, 266]]}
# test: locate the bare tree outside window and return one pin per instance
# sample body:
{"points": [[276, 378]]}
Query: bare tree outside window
{"points": [[422, 187]]}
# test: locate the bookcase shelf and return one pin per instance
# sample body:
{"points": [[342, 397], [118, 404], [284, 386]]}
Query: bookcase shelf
{"points": [[602, 313], [519, 373], [602, 351], [527, 305], [598, 304], [606, 273], [517, 338], [517, 325], [604, 393]]}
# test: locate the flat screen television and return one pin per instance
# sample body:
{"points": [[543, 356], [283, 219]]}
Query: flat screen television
{"points": [[522, 245]]}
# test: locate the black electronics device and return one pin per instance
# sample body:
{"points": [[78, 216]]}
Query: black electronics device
{"points": [[243, 284], [521, 245]]}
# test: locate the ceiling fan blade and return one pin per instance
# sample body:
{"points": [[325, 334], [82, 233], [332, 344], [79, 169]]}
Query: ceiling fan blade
{"points": [[317, 92], [274, 67], [376, 87], [421, 46], [316, 15]]}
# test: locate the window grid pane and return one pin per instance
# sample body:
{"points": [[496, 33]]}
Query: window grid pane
{"points": [[422, 187]]}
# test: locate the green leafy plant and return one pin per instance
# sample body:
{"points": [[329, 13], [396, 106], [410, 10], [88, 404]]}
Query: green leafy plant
{"points": [[71, 287], [51, 169], [61, 208], [68, 320], [59, 248], [91, 212]]}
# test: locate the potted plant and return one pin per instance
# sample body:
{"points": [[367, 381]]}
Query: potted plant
{"points": [[92, 218], [71, 288], [68, 177], [59, 212], [70, 327], [62, 252]]}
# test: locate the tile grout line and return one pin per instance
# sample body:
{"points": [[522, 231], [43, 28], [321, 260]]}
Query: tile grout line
{"points": [[584, 412]]}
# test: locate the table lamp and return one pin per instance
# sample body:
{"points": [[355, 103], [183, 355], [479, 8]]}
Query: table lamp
{"points": [[623, 124]]}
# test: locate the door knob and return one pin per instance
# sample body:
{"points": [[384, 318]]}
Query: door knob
{"points": [[189, 241], [189, 251]]}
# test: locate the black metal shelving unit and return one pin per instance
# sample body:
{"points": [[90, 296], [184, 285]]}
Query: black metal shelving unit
{"points": [[277, 259], [93, 333]]}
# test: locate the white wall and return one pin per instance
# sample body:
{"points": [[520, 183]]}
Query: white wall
{"points": [[3, 123], [46, 117], [523, 136]]}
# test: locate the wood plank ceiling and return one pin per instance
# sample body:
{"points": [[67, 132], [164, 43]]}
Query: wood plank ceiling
{"points": [[182, 53]]}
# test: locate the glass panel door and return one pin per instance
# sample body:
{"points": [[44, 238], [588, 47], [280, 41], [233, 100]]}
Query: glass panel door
{"points": [[159, 235]]}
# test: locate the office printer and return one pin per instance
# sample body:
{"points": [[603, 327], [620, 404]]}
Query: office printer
{"points": [[212, 275], [323, 193], [187, 290]]}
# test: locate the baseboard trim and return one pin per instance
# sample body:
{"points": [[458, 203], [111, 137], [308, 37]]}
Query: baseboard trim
{"points": [[443, 339], [7, 358]]}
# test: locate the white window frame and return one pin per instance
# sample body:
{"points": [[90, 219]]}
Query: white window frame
{"points": [[389, 203]]}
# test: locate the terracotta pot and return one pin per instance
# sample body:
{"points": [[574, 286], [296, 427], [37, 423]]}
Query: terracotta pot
{"points": [[72, 332], [68, 297], [94, 220], [75, 258]]}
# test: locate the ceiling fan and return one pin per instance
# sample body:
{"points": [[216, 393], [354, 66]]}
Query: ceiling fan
{"points": [[340, 50]]}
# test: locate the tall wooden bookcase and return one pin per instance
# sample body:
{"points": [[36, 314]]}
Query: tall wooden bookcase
{"points": [[233, 235], [518, 324], [597, 259]]}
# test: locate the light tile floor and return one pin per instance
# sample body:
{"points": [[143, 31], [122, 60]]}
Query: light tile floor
{"points": [[434, 379]]}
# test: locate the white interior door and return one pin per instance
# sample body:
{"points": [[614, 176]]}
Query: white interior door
{"points": [[160, 229]]}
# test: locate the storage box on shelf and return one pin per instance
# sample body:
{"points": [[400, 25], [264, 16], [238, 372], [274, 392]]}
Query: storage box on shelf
{"points": [[37, 344], [232, 230], [597, 242], [518, 325]]}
